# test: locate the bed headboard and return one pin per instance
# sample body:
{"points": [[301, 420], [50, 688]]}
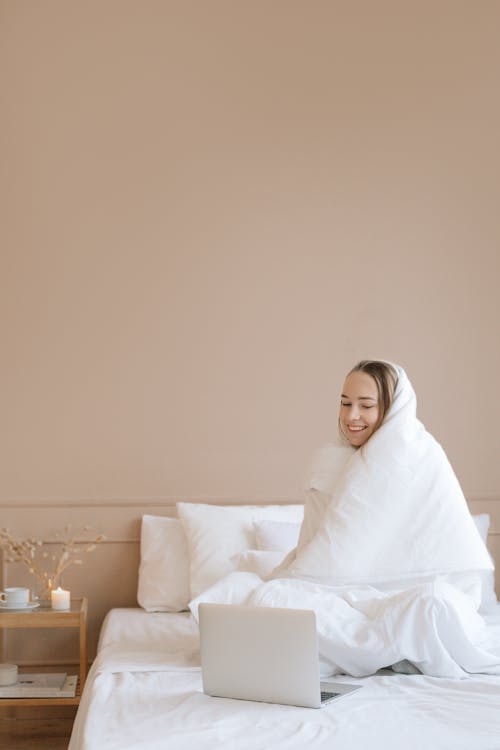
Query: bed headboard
{"points": [[108, 577]]}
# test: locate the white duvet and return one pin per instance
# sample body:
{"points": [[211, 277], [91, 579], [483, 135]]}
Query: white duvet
{"points": [[388, 557], [392, 510], [434, 626]]}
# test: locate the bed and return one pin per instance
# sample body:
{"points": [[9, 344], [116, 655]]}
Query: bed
{"points": [[144, 690]]}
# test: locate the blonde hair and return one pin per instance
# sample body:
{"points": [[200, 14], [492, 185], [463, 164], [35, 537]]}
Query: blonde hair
{"points": [[386, 378]]}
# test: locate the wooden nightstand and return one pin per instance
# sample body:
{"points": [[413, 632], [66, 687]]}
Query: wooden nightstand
{"points": [[75, 617]]}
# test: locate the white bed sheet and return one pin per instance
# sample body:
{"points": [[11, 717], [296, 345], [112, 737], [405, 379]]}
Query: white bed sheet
{"points": [[144, 692]]}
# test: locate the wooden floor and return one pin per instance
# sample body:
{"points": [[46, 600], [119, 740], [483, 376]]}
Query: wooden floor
{"points": [[47, 728]]}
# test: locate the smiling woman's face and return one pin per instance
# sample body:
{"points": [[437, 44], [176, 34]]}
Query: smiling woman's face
{"points": [[359, 408]]}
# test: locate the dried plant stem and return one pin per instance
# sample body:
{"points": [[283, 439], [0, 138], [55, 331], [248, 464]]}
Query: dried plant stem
{"points": [[30, 552]]}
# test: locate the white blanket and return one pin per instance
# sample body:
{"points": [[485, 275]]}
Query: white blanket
{"points": [[392, 510], [434, 626], [390, 522], [385, 531], [388, 557]]}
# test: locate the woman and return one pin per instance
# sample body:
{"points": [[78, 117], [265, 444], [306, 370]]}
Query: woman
{"points": [[383, 504]]}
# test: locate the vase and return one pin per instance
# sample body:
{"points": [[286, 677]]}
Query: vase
{"points": [[42, 592]]}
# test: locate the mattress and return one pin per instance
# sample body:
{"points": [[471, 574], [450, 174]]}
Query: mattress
{"points": [[144, 692]]}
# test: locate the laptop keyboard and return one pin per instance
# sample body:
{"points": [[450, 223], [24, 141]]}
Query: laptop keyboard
{"points": [[325, 696]]}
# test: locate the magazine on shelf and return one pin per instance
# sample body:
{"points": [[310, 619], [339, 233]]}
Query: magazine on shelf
{"points": [[46, 685]]}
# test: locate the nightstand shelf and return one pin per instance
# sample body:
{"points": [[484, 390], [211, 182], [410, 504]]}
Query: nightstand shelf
{"points": [[75, 617]]}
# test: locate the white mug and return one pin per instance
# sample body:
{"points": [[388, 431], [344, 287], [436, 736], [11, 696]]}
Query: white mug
{"points": [[15, 595]]}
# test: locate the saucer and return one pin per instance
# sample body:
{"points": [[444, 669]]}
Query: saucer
{"points": [[18, 607]]}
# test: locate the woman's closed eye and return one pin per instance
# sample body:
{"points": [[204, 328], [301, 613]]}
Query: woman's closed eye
{"points": [[363, 406]]}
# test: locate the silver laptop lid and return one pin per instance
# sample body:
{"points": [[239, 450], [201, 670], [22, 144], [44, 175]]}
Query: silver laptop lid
{"points": [[260, 653]]}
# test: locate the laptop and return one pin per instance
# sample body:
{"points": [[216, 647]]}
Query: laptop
{"points": [[265, 654]]}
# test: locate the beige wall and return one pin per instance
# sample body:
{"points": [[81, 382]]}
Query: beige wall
{"points": [[210, 210]]}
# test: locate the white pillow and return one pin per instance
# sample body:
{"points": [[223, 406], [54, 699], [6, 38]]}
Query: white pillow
{"points": [[276, 535], [488, 595], [216, 533], [164, 567], [260, 562]]}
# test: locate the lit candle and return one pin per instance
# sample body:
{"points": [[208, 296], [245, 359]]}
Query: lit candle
{"points": [[60, 599]]}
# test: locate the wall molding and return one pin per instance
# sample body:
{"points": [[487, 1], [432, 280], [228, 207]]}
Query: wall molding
{"points": [[148, 502], [171, 501]]}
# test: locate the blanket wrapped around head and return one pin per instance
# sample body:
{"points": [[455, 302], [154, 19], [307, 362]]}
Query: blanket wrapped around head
{"points": [[390, 511]]}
